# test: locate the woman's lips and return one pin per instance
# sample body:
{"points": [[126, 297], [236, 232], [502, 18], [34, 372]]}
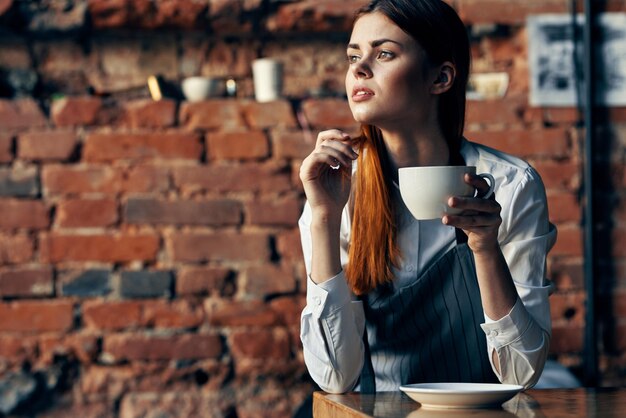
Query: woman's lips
{"points": [[360, 94]]}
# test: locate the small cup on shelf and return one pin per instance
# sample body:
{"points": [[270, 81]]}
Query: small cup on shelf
{"points": [[196, 89]]}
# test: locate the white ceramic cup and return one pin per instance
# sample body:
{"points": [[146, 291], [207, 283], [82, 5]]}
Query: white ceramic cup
{"points": [[198, 88], [267, 76], [426, 190]]}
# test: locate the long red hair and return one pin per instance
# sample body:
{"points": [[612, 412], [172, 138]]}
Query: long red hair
{"points": [[440, 32], [373, 251]]}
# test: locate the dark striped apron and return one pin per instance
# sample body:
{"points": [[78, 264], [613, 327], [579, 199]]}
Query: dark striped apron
{"points": [[428, 331]]}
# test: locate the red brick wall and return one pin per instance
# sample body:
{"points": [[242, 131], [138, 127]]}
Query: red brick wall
{"points": [[149, 253]]}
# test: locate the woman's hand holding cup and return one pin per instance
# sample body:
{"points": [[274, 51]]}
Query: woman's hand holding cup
{"points": [[479, 215], [456, 195]]}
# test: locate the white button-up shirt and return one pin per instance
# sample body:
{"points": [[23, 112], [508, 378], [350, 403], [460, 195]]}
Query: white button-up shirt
{"points": [[332, 323]]}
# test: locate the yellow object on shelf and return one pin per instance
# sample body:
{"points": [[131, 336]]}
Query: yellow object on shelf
{"points": [[155, 89]]}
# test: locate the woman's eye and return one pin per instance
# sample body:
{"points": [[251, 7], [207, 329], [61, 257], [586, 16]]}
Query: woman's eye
{"points": [[353, 58], [385, 55]]}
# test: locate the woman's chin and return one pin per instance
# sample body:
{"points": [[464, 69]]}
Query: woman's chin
{"points": [[362, 117]]}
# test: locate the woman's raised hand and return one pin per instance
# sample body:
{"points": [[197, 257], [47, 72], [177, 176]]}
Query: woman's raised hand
{"points": [[326, 173]]}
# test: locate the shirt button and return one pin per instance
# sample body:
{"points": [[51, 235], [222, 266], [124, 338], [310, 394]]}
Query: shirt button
{"points": [[410, 267], [493, 333], [317, 300]]}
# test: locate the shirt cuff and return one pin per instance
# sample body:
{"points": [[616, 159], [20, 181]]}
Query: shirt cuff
{"points": [[508, 328], [327, 297]]}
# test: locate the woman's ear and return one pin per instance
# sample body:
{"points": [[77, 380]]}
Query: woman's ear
{"points": [[444, 78]]}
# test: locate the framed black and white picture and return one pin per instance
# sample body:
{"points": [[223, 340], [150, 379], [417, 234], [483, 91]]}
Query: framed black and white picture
{"points": [[556, 60]]}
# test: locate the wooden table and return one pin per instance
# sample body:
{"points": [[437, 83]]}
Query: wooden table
{"points": [[574, 403]]}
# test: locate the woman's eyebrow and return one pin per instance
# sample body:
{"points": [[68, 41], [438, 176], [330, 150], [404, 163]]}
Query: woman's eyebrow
{"points": [[375, 43]]}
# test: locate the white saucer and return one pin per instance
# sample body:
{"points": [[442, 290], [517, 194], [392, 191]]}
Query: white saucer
{"points": [[460, 395]]}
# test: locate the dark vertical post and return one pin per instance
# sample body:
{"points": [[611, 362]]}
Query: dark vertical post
{"points": [[590, 360]]}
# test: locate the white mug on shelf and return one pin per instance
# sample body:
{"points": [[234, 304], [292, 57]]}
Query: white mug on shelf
{"points": [[267, 76]]}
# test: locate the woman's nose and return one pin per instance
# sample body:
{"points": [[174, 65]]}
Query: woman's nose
{"points": [[361, 69]]}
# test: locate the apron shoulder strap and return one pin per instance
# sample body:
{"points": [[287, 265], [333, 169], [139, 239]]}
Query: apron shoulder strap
{"points": [[461, 238]]}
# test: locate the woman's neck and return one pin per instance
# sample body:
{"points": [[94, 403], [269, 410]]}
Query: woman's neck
{"points": [[411, 147]]}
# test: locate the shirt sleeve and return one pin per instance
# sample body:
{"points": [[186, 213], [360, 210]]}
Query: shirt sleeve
{"points": [[521, 339], [332, 325]]}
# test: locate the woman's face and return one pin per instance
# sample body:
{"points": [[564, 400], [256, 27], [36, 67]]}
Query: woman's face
{"points": [[386, 81]]}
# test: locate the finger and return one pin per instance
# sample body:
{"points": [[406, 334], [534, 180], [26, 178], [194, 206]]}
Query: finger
{"points": [[315, 164], [476, 204], [333, 157], [479, 183], [335, 134], [487, 222], [339, 146]]}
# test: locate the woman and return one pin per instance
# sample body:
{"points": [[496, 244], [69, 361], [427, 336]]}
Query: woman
{"points": [[392, 300]]}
